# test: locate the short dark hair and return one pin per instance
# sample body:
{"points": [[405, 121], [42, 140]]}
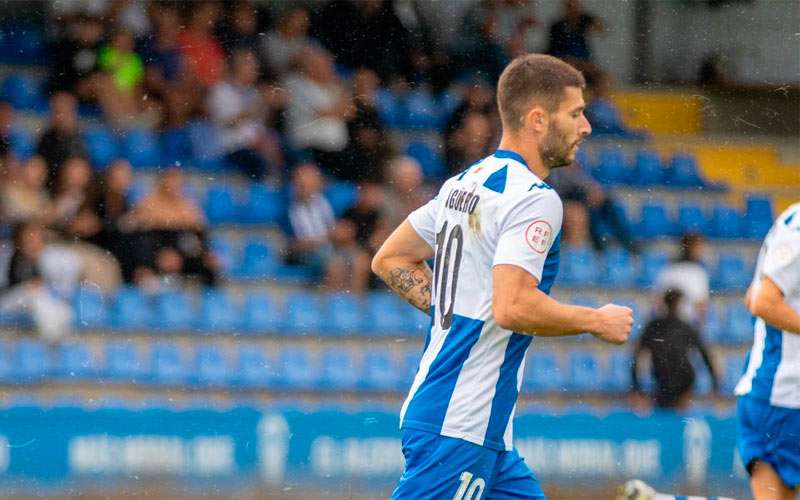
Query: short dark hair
{"points": [[532, 77]]}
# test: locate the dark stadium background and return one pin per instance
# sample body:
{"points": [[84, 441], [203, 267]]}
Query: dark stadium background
{"points": [[257, 381]]}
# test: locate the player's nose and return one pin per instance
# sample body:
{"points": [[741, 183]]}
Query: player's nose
{"points": [[585, 128]]}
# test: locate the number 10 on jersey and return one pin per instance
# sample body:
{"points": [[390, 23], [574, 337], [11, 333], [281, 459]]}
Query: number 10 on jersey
{"points": [[449, 246]]}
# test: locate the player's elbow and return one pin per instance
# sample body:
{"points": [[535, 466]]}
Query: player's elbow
{"points": [[378, 263], [505, 313]]}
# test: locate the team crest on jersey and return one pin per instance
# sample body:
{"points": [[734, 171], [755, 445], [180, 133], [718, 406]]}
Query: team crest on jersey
{"points": [[539, 235]]}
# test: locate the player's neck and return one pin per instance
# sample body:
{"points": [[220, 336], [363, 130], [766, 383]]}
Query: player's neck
{"points": [[530, 152]]}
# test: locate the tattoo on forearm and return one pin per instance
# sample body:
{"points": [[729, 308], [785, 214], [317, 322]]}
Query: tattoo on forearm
{"points": [[413, 284]]}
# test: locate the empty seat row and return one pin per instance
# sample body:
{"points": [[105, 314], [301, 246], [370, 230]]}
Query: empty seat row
{"points": [[299, 313], [647, 170]]}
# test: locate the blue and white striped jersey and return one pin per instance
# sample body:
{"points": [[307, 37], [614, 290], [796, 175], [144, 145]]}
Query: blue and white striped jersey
{"points": [[495, 212], [772, 369]]}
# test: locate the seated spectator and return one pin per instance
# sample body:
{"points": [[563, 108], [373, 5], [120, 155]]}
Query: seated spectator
{"points": [[71, 192], [239, 110], [318, 111], [480, 47], [61, 139], [7, 119], [573, 184], [24, 197], [569, 35], [120, 92], [171, 237], [603, 114], [240, 31], [405, 191], [669, 341], [478, 98], [575, 228], [161, 54], [41, 281], [371, 229], [290, 37], [469, 143], [688, 275], [310, 219], [203, 55], [74, 57], [348, 267]]}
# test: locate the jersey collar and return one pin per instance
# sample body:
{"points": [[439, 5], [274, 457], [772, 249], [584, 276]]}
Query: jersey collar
{"points": [[507, 153]]}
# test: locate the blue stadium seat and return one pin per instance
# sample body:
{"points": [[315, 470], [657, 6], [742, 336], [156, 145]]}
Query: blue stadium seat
{"points": [[619, 269], [173, 311], [654, 221], [206, 145], [431, 162], [619, 371], [380, 371], [409, 365], [738, 324], [22, 92], [131, 310], [579, 267], [75, 362], [297, 370], [731, 273], [585, 374], [651, 264], [138, 190], [422, 112], [219, 312], [543, 373], [253, 367], [610, 167], [302, 313], [384, 311], [220, 205], [758, 216], [22, 142], [344, 314], [101, 145], [224, 251], [211, 366], [691, 218], [90, 308], [31, 361], [341, 195], [389, 110], [124, 363], [260, 313], [169, 365], [702, 382], [264, 205], [415, 322], [683, 172], [141, 148], [583, 160], [733, 369], [176, 147], [725, 222], [259, 260], [6, 361], [648, 170], [714, 326], [339, 369]]}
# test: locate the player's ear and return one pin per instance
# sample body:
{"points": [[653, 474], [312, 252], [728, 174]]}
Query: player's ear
{"points": [[536, 119]]}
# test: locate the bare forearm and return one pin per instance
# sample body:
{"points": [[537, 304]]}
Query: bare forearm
{"points": [[410, 281], [778, 314], [544, 316]]}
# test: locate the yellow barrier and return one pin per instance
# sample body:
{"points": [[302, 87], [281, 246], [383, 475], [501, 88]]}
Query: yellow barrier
{"points": [[660, 112]]}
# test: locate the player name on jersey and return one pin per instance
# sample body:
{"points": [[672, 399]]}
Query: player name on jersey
{"points": [[463, 201]]}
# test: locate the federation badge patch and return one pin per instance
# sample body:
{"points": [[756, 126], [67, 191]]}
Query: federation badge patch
{"points": [[539, 235]]}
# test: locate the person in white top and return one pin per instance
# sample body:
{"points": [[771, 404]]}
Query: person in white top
{"points": [[494, 231], [769, 390], [688, 275]]}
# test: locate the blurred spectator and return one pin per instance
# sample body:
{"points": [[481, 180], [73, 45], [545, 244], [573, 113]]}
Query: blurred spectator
{"points": [[120, 93], [60, 140], [160, 51], [371, 229], [688, 275], [131, 15], [478, 98], [7, 119], [282, 45], [74, 57], [480, 47], [364, 33], [575, 231], [171, 235], [669, 341], [569, 35], [71, 192], [405, 191], [310, 219], [41, 279], [319, 109], [574, 184], [603, 114], [239, 110], [469, 143], [24, 197], [239, 29], [348, 267], [205, 59]]}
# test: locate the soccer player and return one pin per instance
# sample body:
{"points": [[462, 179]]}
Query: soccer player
{"points": [[769, 390], [494, 232]]}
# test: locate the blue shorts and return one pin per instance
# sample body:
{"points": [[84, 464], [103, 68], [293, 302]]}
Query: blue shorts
{"points": [[770, 434], [439, 467]]}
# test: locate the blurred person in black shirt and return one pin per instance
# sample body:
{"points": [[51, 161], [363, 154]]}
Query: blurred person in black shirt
{"points": [[74, 56], [568, 35], [61, 140], [669, 341]]}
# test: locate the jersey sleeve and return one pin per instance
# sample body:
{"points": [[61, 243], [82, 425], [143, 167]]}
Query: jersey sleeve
{"points": [[423, 220], [527, 231], [782, 262]]}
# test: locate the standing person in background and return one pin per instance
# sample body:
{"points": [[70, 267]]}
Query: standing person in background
{"points": [[669, 339], [769, 390], [61, 139], [569, 35], [688, 275]]}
